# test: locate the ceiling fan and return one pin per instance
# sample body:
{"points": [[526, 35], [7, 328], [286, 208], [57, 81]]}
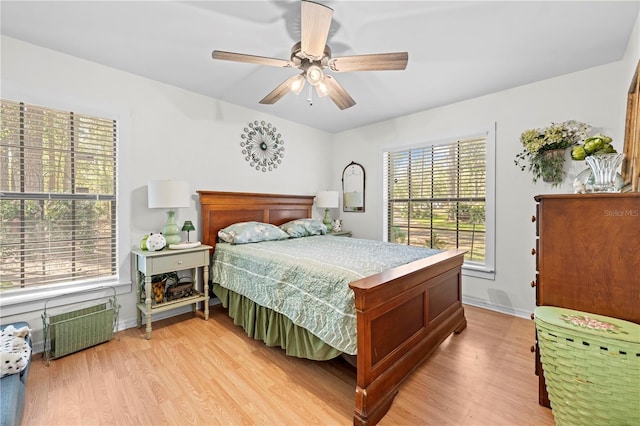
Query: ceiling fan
{"points": [[311, 55]]}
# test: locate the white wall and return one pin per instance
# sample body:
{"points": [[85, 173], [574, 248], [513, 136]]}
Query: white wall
{"points": [[174, 134], [632, 54], [596, 96]]}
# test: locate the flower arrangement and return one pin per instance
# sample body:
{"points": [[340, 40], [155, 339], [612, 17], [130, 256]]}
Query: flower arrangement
{"points": [[544, 149]]}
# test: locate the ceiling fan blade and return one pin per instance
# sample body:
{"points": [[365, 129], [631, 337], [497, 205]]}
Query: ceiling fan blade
{"points": [[315, 23], [374, 62], [276, 94], [337, 93], [241, 57]]}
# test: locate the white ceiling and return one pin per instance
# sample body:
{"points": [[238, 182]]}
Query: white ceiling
{"points": [[457, 50]]}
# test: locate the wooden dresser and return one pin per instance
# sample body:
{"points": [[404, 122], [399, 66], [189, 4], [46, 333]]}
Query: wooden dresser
{"points": [[587, 257]]}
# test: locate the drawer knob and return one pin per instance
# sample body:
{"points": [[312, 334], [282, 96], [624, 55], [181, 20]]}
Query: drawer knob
{"points": [[533, 283], [533, 218], [532, 348], [533, 251], [179, 262], [533, 316]]}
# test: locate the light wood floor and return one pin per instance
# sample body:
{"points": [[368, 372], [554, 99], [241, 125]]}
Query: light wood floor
{"points": [[209, 372]]}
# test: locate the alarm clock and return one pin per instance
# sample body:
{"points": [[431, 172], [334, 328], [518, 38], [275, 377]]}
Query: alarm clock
{"points": [[156, 242]]}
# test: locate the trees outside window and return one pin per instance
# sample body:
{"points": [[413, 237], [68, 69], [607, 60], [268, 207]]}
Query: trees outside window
{"points": [[58, 187], [436, 196]]}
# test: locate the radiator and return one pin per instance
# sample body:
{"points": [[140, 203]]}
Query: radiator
{"points": [[72, 331]]}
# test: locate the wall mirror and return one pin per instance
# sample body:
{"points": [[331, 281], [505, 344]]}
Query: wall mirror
{"points": [[631, 164], [353, 179]]}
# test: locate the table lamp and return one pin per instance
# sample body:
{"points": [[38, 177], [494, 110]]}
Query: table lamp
{"points": [[327, 200], [169, 194], [188, 226]]}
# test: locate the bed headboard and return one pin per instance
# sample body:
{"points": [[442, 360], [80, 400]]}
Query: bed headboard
{"points": [[221, 209]]}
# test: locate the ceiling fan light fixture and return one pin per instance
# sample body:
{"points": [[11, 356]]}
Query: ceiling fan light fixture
{"points": [[311, 56], [296, 83], [315, 75]]}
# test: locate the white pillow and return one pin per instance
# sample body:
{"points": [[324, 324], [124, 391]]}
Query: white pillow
{"points": [[304, 228], [15, 351], [251, 232]]}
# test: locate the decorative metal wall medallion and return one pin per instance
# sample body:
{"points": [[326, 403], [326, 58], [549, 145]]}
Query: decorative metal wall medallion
{"points": [[262, 146]]}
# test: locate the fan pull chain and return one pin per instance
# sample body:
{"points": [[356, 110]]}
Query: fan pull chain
{"points": [[310, 98]]}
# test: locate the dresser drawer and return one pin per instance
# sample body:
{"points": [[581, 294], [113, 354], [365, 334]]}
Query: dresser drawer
{"points": [[176, 262]]}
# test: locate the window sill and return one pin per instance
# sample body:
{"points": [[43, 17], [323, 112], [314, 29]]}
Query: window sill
{"points": [[478, 273], [31, 300]]}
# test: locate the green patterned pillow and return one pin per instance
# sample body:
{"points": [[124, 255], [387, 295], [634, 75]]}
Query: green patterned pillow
{"points": [[251, 232], [304, 228]]}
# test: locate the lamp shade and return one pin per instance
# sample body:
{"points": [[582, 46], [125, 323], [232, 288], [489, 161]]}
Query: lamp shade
{"points": [[188, 226], [296, 83], [315, 75], [327, 199], [169, 194]]}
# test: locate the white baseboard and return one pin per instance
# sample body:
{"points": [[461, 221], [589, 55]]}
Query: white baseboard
{"points": [[509, 310]]}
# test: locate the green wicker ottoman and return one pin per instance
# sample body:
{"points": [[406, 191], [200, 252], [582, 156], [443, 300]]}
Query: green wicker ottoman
{"points": [[591, 367]]}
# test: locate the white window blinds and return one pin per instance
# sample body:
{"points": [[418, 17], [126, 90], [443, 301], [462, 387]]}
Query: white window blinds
{"points": [[436, 196], [57, 196]]}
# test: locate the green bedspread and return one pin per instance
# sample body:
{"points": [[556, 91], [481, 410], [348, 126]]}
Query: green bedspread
{"points": [[307, 279]]}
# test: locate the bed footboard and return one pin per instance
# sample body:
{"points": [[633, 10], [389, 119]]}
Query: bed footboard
{"points": [[403, 315]]}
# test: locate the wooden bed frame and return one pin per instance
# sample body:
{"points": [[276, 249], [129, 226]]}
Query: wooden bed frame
{"points": [[403, 314]]}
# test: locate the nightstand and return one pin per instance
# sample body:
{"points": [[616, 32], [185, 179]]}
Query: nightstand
{"points": [[341, 234], [149, 263]]}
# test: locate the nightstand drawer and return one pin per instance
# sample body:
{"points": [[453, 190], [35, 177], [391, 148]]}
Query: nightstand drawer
{"points": [[176, 262]]}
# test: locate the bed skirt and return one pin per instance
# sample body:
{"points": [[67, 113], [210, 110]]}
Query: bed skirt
{"points": [[273, 328]]}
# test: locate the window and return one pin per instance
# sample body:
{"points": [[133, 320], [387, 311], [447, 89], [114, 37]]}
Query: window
{"points": [[58, 204], [440, 196]]}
